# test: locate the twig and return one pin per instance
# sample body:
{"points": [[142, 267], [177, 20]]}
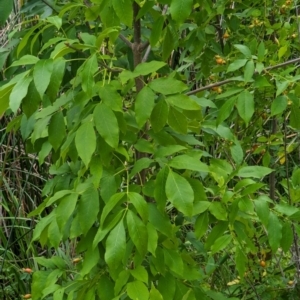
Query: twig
{"points": [[146, 55], [115, 70], [207, 87], [288, 62], [127, 42], [144, 46], [53, 8]]}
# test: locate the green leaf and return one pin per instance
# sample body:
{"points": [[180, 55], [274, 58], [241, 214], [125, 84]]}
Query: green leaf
{"points": [[4, 98], [144, 105], [294, 117], [159, 115], [6, 7], [42, 74], [167, 287], [140, 165], [279, 105], [240, 261], [218, 210], [287, 237], [274, 230], [65, 209], [96, 169], [281, 86], [155, 294], [180, 193], [140, 273], [90, 67], [215, 233], [27, 126], [55, 20], [183, 102], [200, 206], [123, 9], [245, 105], [225, 110], [18, 92], [111, 97], [156, 30], [110, 205], [107, 124], [57, 130], [249, 70], [152, 239], [261, 51], [169, 150], [169, 43], [174, 261], [177, 121], [159, 191], [254, 171], [109, 225], [148, 68], [25, 60], [237, 153], [244, 50], [140, 205], [91, 259], [237, 64], [137, 232], [56, 78], [188, 162], [115, 246], [58, 195], [88, 208], [105, 288], [201, 225], [137, 290], [54, 234], [282, 50], [168, 86], [229, 92], [44, 152], [85, 141], [159, 220], [180, 10], [221, 243]]}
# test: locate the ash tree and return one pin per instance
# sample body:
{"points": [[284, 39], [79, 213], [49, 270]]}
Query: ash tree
{"points": [[170, 129]]}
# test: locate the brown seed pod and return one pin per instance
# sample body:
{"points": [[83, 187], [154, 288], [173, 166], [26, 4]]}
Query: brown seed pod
{"points": [[27, 270], [76, 260], [219, 61], [262, 263], [226, 35]]}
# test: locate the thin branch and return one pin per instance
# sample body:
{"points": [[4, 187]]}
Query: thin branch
{"points": [[127, 42], [288, 62], [115, 70], [53, 8], [146, 55], [145, 45], [207, 87]]}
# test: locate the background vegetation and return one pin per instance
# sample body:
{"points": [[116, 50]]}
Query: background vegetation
{"points": [[149, 149]]}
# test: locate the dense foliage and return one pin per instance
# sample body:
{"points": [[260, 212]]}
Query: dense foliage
{"points": [[169, 130]]}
